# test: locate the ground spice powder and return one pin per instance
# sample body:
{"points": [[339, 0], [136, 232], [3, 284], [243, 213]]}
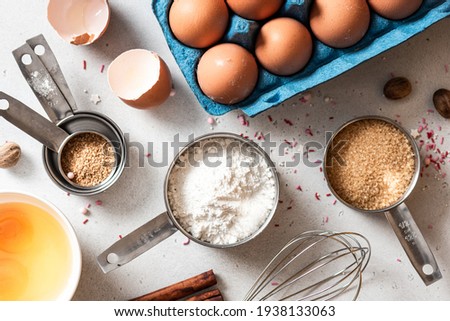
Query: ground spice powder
{"points": [[90, 157], [377, 164]]}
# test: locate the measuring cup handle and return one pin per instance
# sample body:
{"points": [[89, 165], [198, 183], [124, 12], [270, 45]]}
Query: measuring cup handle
{"points": [[414, 244], [33, 123], [46, 79], [136, 243]]}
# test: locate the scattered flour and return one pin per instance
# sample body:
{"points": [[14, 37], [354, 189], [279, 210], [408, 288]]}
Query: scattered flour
{"points": [[225, 202], [41, 83]]}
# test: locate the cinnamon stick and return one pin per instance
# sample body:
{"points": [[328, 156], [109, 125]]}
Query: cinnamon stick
{"points": [[204, 296], [181, 289]]}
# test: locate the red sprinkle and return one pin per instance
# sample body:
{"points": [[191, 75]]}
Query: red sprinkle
{"points": [[299, 188], [328, 195], [287, 121], [277, 225], [420, 129], [148, 155], [85, 221], [335, 201], [88, 205], [270, 118], [442, 140], [68, 193], [275, 283], [120, 236], [325, 219], [289, 208], [102, 68], [317, 195], [187, 242], [243, 120], [84, 64], [309, 132], [98, 203], [398, 260]]}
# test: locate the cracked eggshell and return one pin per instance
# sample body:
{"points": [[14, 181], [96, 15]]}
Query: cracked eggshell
{"points": [[79, 22], [140, 78]]}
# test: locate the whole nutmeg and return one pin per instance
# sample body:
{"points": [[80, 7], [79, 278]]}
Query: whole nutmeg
{"points": [[441, 100], [397, 88], [9, 155]]}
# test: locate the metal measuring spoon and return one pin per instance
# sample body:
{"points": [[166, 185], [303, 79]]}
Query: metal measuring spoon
{"points": [[165, 224], [43, 130], [33, 124], [398, 214], [43, 74]]}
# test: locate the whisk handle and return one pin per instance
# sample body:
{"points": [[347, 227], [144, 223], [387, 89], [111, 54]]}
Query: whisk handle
{"points": [[414, 243]]}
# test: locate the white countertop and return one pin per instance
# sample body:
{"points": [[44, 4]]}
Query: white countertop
{"points": [[138, 196]]}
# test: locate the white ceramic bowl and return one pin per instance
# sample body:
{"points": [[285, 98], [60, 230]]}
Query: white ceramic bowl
{"points": [[74, 276]]}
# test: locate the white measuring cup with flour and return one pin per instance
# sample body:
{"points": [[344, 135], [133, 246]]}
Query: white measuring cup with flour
{"points": [[220, 191], [396, 212]]}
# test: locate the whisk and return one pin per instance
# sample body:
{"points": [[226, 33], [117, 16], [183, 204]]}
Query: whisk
{"points": [[315, 265]]}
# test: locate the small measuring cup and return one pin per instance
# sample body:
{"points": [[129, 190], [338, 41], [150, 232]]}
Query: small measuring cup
{"points": [[42, 72], [398, 214], [54, 138], [165, 224]]}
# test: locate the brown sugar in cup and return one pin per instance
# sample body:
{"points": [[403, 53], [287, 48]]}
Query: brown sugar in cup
{"points": [[372, 164], [87, 159]]}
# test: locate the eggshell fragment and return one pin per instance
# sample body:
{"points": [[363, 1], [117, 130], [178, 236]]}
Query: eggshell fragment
{"points": [[255, 9], [140, 78], [80, 22], [395, 9], [227, 73], [283, 46], [198, 23], [340, 23]]}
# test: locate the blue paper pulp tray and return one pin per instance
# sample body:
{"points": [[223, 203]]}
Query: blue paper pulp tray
{"points": [[325, 64]]}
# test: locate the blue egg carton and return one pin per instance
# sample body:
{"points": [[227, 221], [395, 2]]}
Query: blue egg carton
{"points": [[325, 64]]}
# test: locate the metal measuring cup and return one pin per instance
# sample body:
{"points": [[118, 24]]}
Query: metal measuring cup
{"points": [[166, 224], [398, 214], [42, 72]]}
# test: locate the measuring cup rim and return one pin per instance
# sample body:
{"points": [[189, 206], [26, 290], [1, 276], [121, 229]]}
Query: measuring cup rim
{"points": [[241, 139], [417, 163], [119, 166]]}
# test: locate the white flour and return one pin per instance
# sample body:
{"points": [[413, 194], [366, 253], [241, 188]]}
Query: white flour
{"points": [[221, 204]]}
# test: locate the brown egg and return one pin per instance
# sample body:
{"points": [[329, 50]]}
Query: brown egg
{"points": [[140, 78], [283, 46], [255, 9], [395, 9], [340, 23], [227, 73], [198, 23]]}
